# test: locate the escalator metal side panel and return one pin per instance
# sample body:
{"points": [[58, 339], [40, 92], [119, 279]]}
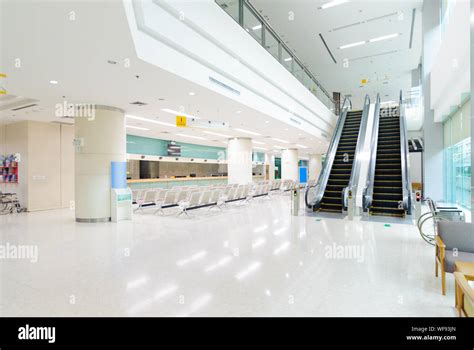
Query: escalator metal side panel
{"points": [[356, 165], [369, 187], [404, 154]]}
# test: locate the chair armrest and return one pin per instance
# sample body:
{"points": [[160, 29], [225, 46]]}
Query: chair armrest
{"points": [[439, 242], [462, 283]]}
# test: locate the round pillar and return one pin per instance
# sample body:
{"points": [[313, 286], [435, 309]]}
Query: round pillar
{"points": [[289, 164], [239, 160], [100, 139], [314, 166]]}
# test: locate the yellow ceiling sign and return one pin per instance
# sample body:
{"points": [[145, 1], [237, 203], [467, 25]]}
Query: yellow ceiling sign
{"points": [[180, 121], [364, 81], [3, 90]]}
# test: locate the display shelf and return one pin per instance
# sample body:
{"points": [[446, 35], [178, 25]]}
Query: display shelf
{"points": [[9, 169]]}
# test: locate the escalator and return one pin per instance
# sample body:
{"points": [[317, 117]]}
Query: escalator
{"points": [[388, 191], [388, 186], [342, 166], [339, 177]]}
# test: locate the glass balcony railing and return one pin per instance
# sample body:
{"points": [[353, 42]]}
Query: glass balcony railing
{"points": [[249, 19]]}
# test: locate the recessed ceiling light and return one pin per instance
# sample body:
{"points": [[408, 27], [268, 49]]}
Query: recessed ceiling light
{"points": [[279, 147], [258, 142], [54, 82], [111, 62], [248, 132], [149, 120], [192, 136], [385, 37], [302, 146], [217, 134], [332, 4], [263, 149], [176, 113], [266, 122], [136, 127], [257, 27], [192, 93], [280, 140], [352, 45], [238, 112], [288, 59]]}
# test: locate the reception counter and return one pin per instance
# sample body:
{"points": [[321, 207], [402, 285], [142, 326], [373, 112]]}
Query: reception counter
{"points": [[182, 181]]}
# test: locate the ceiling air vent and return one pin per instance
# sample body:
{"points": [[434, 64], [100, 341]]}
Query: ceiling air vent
{"points": [[223, 85], [327, 48], [61, 123], [24, 107], [138, 103]]}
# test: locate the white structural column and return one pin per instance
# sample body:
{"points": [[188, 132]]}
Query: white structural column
{"points": [[100, 139], [239, 160], [472, 108], [289, 164], [314, 166], [270, 160]]}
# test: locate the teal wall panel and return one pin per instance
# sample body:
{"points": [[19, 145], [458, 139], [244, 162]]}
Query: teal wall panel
{"points": [[146, 146], [156, 147], [258, 157]]}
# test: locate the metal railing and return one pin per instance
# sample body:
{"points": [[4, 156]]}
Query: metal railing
{"points": [[319, 188], [368, 191], [351, 188], [262, 32]]}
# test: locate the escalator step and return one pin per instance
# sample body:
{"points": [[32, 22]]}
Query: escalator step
{"points": [[330, 210], [387, 183], [381, 213], [386, 195], [386, 203], [336, 201], [332, 205]]}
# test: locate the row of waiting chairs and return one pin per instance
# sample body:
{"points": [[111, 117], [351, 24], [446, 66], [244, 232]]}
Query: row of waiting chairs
{"points": [[193, 197]]}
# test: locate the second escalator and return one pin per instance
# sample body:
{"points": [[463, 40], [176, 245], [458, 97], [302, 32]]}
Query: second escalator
{"points": [[343, 163], [388, 195]]}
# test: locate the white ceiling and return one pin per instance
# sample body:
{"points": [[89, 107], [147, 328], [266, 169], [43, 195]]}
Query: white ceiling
{"points": [[71, 42], [385, 64]]}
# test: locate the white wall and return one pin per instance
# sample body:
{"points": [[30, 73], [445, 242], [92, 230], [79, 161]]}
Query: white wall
{"points": [[432, 131], [46, 178], [450, 73], [15, 140]]}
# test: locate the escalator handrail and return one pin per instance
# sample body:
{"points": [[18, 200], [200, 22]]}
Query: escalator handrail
{"points": [[331, 154], [356, 164], [369, 187], [404, 155]]}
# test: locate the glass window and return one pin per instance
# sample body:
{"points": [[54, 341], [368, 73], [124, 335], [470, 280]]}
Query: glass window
{"points": [[286, 59], [298, 71], [457, 157], [231, 7], [271, 43], [252, 24]]}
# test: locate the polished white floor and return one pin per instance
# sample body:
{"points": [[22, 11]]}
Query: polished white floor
{"points": [[253, 260]]}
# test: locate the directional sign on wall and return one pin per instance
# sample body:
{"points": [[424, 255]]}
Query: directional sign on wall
{"points": [[180, 121]]}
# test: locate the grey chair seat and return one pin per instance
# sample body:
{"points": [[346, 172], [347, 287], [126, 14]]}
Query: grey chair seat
{"points": [[450, 259]]}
